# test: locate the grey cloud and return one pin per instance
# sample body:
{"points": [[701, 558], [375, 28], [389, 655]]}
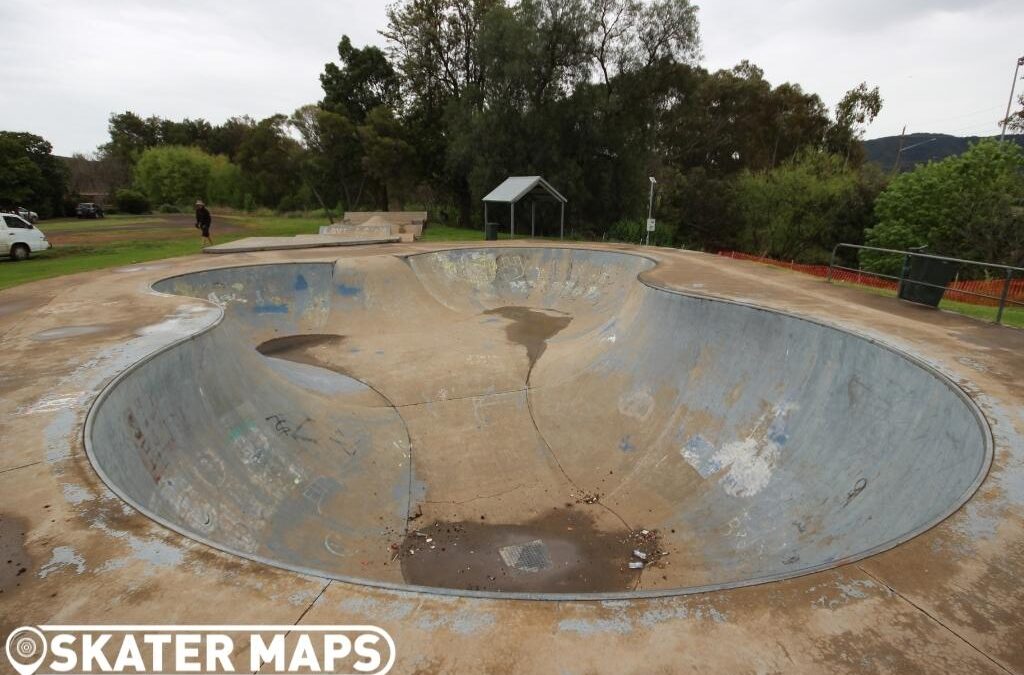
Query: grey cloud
{"points": [[943, 65]]}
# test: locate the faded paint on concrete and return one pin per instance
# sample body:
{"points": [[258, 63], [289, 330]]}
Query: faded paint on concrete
{"points": [[757, 445]]}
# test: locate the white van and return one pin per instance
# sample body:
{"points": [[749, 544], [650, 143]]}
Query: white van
{"points": [[19, 238]]}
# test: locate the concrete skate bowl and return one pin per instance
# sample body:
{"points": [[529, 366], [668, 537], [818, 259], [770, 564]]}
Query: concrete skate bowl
{"points": [[529, 423]]}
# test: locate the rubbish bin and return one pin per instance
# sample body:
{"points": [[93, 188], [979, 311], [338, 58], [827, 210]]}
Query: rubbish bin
{"points": [[936, 273], [490, 231]]}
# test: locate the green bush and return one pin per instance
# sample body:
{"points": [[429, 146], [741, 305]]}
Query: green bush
{"points": [[635, 232], [801, 209], [964, 206], [131, 201], [224, 186], [169, 208], [174, 174], [290, 203]]}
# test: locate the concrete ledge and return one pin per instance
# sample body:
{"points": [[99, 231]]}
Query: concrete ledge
{"points": [[250, 244]]}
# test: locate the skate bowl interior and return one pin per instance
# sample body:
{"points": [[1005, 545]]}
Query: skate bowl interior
{"points": [[528, 423]]}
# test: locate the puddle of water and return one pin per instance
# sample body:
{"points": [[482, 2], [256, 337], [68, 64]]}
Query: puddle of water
{"points": [[567, 554], [138, 268], [532, 328], [65, 332]]}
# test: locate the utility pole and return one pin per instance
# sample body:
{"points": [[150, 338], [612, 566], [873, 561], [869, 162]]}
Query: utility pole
{"points": [[909, 147], [1013, 87], [899, 151]]}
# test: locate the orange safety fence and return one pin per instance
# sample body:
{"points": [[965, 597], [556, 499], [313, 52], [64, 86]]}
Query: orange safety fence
{"points": [[955, 291]]}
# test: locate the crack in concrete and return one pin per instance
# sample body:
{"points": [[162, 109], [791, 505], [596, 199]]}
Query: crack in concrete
{"points": [[478, 497], [23, 466], [457, 398], [544, 440], [934, 618], [305, 612]]}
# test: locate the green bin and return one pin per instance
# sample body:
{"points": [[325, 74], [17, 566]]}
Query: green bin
{"points": [[936, 273], [490, 231]]}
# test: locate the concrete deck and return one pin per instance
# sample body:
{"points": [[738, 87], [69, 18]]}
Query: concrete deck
{"points": [[947, 600]]}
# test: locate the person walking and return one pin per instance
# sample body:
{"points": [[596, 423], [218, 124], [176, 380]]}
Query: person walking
{"points": [[203, 222]]}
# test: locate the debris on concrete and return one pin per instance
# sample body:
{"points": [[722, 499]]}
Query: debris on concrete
{"points": [[584, 497]]}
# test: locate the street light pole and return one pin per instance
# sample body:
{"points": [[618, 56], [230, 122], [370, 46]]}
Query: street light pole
{"points": [[1013, 87], [650, 208]]}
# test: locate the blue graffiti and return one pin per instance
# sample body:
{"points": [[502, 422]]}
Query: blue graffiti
{"points": [[349, 291], [626, 444], [777, 431], [700, 454], [300, 283]]}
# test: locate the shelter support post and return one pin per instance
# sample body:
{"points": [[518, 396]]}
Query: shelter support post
{"points": [[561, 222], [533, 218], [512, 210]]}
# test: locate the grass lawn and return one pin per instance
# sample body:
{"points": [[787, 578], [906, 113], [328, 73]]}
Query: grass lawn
{"points": [[114, 241], [446, 233], [72, 259], [71, 224], [1013, 315]]}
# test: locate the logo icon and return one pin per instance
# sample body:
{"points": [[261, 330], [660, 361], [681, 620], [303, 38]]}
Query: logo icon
{"points": [[26, 649]]}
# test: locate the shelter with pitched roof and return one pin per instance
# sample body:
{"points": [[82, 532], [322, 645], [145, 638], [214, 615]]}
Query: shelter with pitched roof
{"points": [[534, 188]]}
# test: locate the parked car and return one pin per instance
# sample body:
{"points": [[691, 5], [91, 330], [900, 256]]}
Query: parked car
{"points": [[19, 238], [30, 216], [89, 210]]}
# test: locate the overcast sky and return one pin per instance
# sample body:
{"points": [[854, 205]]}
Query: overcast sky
{"points": [[65, 65]]}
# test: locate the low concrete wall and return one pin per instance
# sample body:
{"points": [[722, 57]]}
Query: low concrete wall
{"points": [[406, 222], [345, 230]]}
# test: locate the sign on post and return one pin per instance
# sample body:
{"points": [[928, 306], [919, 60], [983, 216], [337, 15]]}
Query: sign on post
{"points": [[650, 224]]}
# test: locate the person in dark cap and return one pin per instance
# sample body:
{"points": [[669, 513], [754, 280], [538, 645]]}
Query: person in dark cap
{"points": [[203, 222]]}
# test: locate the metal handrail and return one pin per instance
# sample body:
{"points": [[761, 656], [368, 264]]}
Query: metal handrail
{"points": [[928, 255], [1003, 297]]}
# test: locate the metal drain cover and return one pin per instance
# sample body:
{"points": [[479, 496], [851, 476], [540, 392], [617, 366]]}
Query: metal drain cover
{"points": [[529, 557]]}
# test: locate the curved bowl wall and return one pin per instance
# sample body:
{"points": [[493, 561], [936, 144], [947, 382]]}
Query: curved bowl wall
{"points": [[542, 408]]}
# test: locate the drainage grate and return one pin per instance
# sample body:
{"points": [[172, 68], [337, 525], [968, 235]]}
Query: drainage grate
{"points": [[529, 557]]}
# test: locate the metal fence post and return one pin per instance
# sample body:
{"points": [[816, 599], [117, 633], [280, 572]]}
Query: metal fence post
{"points": [[1005, 294], [831, 262], [903, 273]]}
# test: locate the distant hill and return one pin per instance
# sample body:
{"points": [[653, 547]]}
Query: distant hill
{"points": [[920, 148]]}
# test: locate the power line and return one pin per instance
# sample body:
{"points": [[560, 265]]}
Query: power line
{"points": [[967, 114]]}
